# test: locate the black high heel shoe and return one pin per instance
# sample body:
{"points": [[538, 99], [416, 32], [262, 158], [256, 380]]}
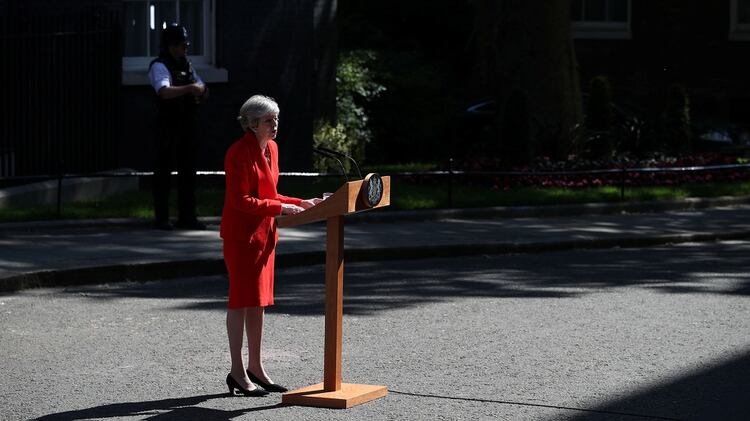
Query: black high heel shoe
{"points": [[268, 386], [232, 384]]}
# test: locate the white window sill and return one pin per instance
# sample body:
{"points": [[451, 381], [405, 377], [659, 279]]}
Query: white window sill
{"points": [[138, 76]]}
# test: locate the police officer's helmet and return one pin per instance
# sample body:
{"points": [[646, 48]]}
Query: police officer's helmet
{"points": [[174, 34]]}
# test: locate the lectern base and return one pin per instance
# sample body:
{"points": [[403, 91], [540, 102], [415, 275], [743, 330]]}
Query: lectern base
{"points": [[349, 395]]}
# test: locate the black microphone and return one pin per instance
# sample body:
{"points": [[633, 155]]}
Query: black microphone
{"points": [[328, 155], [331, 151]]}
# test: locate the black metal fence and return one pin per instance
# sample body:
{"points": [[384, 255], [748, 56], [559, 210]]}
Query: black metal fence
{"points": [[61, 71], [620, 177]]}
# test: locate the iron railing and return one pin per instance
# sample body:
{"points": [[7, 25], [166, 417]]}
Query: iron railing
{"points": [[618, 176], [61, 90]]}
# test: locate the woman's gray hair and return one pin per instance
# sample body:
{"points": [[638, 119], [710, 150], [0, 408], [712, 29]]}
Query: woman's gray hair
{"points": [[255, 108]]}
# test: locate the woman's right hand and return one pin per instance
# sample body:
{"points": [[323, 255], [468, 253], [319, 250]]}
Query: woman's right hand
{"points": [[307, 204], [287, 209]]}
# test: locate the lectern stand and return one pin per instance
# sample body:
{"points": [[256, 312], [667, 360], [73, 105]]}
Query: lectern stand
{"points": [[354, 196]]}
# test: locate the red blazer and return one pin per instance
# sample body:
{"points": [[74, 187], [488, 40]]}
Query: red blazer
{"points": [[251, 201]]}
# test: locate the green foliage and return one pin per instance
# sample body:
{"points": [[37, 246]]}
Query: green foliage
{"points": [[412, 195], [331, 137], [676, 132], [355, 88]]}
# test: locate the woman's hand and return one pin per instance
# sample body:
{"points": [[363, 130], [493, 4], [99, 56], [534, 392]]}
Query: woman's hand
{"points": [[307, 204], [287, 209]]}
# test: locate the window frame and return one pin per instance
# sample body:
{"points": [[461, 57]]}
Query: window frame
{"points": [[603, 29], [135, 68], [737, 31]]}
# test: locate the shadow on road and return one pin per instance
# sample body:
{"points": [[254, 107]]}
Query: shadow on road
{"points": [[719, 392], [161, 410], [371, 287]]}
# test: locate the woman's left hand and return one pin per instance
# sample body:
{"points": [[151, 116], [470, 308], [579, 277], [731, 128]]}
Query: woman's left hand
{"points": [[307, 204]]}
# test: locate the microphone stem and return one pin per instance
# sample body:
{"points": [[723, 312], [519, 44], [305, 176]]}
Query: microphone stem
{"points": [[331, 151], [328, 155]]}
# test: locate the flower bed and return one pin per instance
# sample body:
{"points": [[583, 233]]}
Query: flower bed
{"points": [[630, 172]]}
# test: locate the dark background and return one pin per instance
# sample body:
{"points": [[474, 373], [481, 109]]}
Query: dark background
{"points": [[64, 107]]}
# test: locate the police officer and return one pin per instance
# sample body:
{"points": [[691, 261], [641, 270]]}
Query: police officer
{"points": [[178, 90]]}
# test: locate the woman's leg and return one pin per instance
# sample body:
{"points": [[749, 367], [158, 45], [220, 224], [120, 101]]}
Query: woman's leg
{"points": [[254, 326], [235, 328]]}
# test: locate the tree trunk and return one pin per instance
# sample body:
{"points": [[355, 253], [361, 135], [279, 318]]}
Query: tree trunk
{"points": [[526, 46]]}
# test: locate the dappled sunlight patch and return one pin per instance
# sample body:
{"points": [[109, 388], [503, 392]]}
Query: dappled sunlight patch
{"points": [[291, 234], [11, 265], [707, 282], [196, 234], [601, 230]]}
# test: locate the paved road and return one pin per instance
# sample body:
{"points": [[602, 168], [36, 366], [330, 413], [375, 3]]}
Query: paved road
{"points": [[618, 334]]}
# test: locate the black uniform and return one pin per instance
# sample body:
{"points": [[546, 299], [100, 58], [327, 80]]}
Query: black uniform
{"points": [[175, 134]]}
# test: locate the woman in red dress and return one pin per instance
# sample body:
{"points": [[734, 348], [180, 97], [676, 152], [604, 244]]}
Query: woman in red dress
{"points": [[248, 228]]}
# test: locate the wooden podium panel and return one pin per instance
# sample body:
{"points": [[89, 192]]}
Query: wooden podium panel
{"points": [[332, 393], [347, 396], [345, 201]]}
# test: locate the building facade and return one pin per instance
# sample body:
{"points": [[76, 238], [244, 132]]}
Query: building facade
{"points": [[645, 46], [79, 99], [76, 97]]}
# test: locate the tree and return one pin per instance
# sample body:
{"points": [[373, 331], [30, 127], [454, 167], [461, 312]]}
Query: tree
{"points": [[676, 130], [599, 119], [525, 46]]}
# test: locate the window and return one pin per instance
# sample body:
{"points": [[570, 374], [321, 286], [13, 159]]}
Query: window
{"points": [[739, 25], [605, 19], [143, 21]]}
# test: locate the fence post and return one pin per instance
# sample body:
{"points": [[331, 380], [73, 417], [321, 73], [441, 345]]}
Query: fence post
{"points": [[622, 184], [60, 174], [450, 182], [59, 196]]}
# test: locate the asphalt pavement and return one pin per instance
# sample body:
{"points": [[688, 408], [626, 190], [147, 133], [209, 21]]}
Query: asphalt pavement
{"points": [[572, 312], [600, 334]]}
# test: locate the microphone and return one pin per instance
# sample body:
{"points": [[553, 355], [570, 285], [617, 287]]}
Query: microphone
{"points": [[328, 155], [331, 151]]}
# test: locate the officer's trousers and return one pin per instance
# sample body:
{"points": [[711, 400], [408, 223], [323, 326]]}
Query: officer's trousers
{"points": [[175, 150]]}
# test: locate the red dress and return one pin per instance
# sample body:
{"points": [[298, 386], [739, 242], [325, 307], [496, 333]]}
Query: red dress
{"points": [[248, 226]]}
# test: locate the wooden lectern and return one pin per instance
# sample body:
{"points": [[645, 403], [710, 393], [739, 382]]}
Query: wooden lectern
{"points": [[354, 196]]}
